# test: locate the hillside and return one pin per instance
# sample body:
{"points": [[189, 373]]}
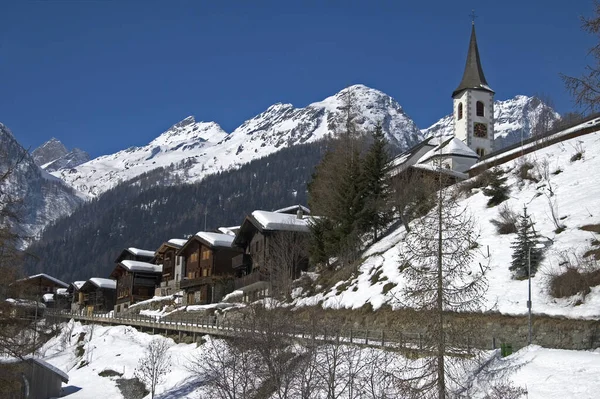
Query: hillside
{"points": [[194, 150], [42, 198], [564, 181], [155, 207]]}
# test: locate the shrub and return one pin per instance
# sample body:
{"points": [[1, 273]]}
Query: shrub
{"points": [[507, 220], [523, 172], [579, 276]]}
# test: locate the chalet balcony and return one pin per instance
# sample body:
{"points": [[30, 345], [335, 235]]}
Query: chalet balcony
{"points": [[241, 261], [193, 282], [250, 279]]}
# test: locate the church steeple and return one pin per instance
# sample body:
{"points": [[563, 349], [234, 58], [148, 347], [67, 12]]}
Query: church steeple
{"points": [[473, 77]]}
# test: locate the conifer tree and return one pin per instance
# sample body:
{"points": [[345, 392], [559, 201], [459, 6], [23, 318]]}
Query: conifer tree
{"points": [[524, 243], [496, 189], [375, 185]]}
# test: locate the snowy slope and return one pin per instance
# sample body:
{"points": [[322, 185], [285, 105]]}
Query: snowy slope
{"points": [[546, 373], [511, 118], [577, 198], [197, 148]]}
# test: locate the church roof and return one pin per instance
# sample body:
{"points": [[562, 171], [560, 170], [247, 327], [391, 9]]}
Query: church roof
{"points": [[473, 77], [451, 147]]}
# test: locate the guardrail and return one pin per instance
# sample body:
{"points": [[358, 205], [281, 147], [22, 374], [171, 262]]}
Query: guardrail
{"points": [[211, 325]]}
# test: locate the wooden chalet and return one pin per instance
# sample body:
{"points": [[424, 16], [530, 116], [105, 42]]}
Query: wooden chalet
{"points": [[261, 237], [37, 285], [62, 299], [172, 272], [208, 273], [98, 295], [136, 281], [131, 253]]}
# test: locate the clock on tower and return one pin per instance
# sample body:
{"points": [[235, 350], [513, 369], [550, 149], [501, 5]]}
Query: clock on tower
{"points": [[480, 130]]}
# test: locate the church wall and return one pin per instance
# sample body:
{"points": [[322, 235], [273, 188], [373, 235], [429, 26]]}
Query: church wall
{"points": [[488, 118], [460, 126], [462, 164]]}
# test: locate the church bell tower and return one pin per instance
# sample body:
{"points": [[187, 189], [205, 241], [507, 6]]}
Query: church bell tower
{"points": [[474, 104]]}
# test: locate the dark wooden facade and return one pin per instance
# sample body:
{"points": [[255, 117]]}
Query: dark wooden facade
{"points": [[134, 285], [36, 286], [208, 275], [95, 298], [259, 255]]}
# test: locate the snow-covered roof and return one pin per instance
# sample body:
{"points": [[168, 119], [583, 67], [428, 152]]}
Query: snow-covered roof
{"points": [[137, 266], [216, 239], [64, 376], [46, 276], [436, 169], [104, 282], [450, 147], [178, 242], [62, 292], [281, 221], [48, 297], [229, 230], [293, 209], [141, 252], [78, 284]]}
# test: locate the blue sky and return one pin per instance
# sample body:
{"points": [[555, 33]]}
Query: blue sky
{"points": [[106, 75]]}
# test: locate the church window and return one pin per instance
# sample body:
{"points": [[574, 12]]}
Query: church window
{"points": [[460, 111], [480, 108], [480, 152]]}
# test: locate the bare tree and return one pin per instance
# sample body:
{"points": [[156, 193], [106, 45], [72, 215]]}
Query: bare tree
{"points": [[437, 257], [155, 365], [287, 256], [412, 195], [586, 89]]}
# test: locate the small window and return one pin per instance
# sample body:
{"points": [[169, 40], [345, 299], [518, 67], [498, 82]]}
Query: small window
{"points": [[460, 111], [480, 109], [480, 152]]}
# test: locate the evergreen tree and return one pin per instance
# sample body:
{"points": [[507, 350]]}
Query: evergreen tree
{"points": [[376, 190], [496, 188], [524, 243]]}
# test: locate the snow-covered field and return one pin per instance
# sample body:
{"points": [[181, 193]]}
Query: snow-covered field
{"points": [[576, 200], [545, 373]]}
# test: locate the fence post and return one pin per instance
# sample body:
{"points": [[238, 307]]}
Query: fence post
{"points": [[350, 335], [382, 338], [420, 342], [367, 336]]}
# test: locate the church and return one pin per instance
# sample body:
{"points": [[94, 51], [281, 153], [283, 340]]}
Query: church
{"points": [[473, 119]]}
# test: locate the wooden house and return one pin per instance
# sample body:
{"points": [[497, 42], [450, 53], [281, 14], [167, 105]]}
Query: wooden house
{"points": [[131, 253], [136, 281], [62, 299], [98, 295], [207, 262], [172, 271], [274, 247], [74, 294], [37, 285]]}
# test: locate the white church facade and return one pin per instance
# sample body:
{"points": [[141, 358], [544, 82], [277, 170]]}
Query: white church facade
{"points": [[473, 119]]}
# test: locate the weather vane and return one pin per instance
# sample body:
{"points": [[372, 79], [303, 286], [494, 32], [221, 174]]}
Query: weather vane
{"points": [[473, 16]]}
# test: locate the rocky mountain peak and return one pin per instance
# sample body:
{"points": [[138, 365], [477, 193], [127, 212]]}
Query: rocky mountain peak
{"points": [[49, 151]]}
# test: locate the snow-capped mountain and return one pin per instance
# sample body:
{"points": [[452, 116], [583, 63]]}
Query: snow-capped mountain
{"points": [[195, 149], [53, 155], [513, 117], [42, 197]]}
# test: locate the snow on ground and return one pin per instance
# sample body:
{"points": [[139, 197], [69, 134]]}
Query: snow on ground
{"points": [[577, 200], [546, 373]]}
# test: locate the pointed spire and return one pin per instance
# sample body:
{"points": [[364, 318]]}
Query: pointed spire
{"points": [[473, 77]]}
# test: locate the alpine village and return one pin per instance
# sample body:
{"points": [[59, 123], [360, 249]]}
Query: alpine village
{"points": [[459, 261]]}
